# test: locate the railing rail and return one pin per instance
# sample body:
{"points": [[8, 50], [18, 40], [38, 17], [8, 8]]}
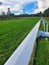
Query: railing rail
{"points": [[22, 54]]}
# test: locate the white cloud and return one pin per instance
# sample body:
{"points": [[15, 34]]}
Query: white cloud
{"points": [[14, 5], [42, 5], [17, 5]]}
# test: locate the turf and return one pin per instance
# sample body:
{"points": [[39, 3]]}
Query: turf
{"points": [[12, 32]]}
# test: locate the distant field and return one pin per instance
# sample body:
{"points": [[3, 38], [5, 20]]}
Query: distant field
{"points": [[12, 32], [43, 51]]}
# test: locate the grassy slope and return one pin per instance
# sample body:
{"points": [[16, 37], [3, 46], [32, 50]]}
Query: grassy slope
{"points": [[43, 51], [12, 32]]}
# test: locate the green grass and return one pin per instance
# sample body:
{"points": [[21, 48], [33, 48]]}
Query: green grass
{"points": [[12, 32], [43, 51]]}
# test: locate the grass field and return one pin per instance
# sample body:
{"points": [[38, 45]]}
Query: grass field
{"points": [[12, 32], [43, 51]]}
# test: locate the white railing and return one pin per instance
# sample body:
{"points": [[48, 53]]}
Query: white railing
{"points": [[45, 23], [22, 54]]}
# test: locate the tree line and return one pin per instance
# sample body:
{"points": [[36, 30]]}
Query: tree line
{"points": [[12, 16]]}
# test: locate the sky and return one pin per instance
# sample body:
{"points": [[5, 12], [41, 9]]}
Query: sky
{"points": [[24, 6]]}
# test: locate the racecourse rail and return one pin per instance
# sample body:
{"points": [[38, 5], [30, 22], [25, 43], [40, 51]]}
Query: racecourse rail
{"points": [[22, 54]]}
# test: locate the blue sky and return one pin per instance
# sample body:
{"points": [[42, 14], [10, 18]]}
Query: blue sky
{"points": [[29, 8], [23, 6]]}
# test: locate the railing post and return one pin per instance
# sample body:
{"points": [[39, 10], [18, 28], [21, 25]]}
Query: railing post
{"points": [[45, 24]]}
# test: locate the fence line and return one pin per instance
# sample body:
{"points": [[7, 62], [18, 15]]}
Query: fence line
{"points": [[22, 54]]}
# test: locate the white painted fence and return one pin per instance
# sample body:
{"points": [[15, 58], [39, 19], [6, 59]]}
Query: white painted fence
{"points": [[22, 54], [45, 23]]}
